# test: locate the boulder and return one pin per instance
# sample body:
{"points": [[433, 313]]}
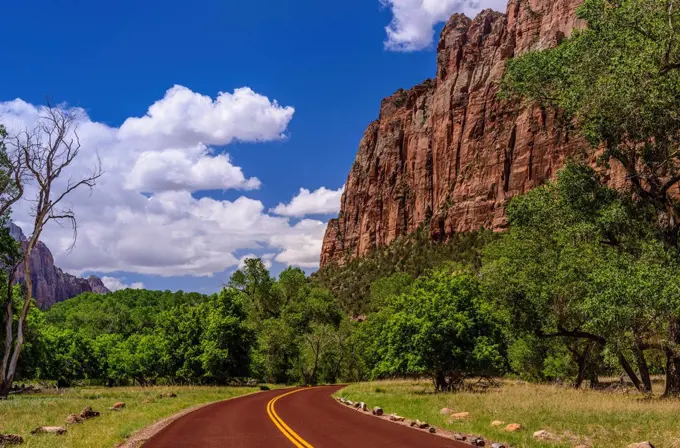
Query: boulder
{"points": [[88, 413], [377, 410], [497, 423], [513, 427], [546, 436], [73, 419], [460, 415], [59, 430], [11, 439], [641, 445]]}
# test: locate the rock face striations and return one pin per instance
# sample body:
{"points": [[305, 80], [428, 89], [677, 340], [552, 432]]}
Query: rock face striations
{"points": [[51, 284], [448, 153]]}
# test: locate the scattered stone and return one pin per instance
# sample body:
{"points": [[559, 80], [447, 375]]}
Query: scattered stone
{"points": [[59, 430], [432, 430], [460, 416], [545, 435], [397, 418], [118, 406], [497, 423], [497, 445], [641, 445], [363, 406], [11, 439], [349, 403], [459, 437], [478, 442], [73, 419], [377, 410], [88, 413], [512, 427], [445, 411], [419, 424]]}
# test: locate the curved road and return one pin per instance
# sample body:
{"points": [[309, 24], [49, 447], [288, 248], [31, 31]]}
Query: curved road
{"points": [[301, 418]]}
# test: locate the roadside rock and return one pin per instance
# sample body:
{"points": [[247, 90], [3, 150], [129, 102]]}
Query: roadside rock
{"points": [[11, 439], [432, 430], [363, 406], [641, 445], [396, 418], [460, 416], [512, 427], [88, 413], [73, 419], [459, 437], [546, 436], [118, 406], [478, 442], [497, 423], [497, 445], [377, 410], [419, 424], [59, 430]]}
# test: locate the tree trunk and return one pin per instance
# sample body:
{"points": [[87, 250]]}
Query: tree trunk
{"points": [[643, 368], [672, 363], [5, 377], [582, 362], [630, 372]]}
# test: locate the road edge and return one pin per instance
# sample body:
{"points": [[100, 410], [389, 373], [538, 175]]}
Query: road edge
{"points": [[140, 436], [439, 431]]}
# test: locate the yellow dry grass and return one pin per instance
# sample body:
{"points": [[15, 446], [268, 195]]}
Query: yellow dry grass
{"points": [[595, 418]]}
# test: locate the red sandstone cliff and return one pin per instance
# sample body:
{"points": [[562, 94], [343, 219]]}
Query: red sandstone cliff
{"points": [[447, 153], [51, 284]]}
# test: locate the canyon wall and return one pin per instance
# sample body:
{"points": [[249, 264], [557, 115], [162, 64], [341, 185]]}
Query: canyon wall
{"points": [[448, 153], [51, 284]]}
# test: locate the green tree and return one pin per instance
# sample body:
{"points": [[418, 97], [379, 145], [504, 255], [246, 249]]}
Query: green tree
{"points": [[581, 262], [619, 82], [441, 327]]}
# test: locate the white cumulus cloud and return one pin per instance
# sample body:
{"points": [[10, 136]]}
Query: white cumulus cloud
{"points": [[413, 21], [318, 202], [114, 284], [143, 217]]}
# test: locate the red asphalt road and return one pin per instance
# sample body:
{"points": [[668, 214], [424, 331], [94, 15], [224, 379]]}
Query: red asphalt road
{"points": [[312, 413]]}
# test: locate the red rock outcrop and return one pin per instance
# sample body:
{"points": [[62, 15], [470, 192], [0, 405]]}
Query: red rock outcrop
{"points": [[448, 153], [51, 284]]}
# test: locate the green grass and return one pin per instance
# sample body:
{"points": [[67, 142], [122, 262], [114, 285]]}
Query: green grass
{"points": [[23, 413], [599, 419]]}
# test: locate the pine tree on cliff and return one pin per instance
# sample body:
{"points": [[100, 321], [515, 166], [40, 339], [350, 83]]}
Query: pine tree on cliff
{"points": [[618, 81]]}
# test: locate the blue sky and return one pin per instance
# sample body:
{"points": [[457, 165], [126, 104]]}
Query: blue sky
{"points": [[327, 60]]}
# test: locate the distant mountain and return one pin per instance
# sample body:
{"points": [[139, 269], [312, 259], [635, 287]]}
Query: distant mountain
{"points": [[51, 284]]}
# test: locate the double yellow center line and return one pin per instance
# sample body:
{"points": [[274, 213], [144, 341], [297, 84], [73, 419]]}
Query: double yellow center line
{"points": [[291, 435]]}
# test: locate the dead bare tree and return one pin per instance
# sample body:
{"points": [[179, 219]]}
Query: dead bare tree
{"points": [[45, 152]]}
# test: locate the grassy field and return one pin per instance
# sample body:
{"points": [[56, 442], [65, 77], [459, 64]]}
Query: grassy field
{"points": [[23, 413], [597, 419]]}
